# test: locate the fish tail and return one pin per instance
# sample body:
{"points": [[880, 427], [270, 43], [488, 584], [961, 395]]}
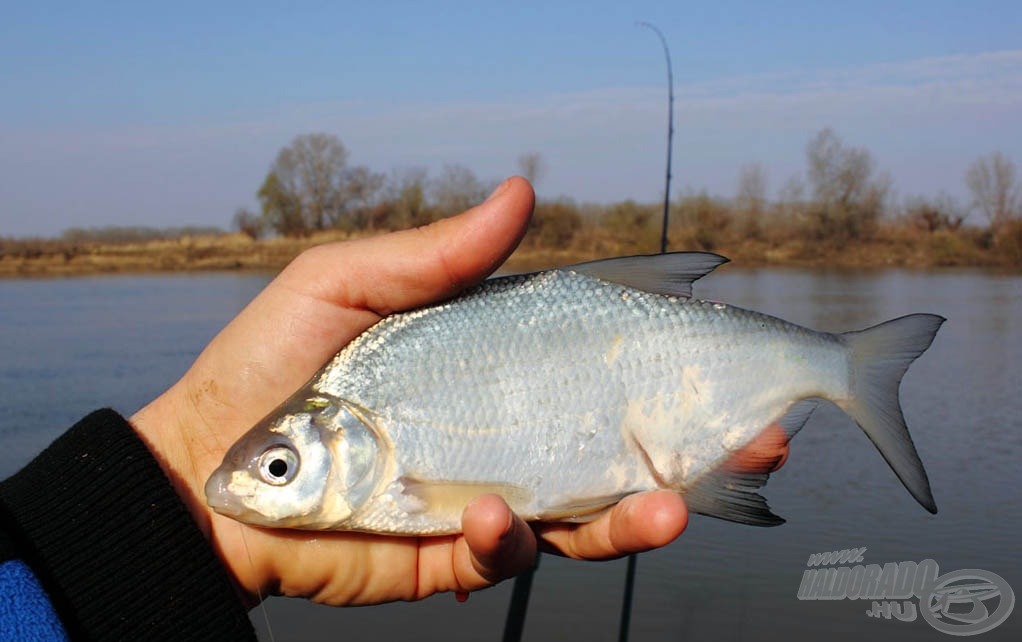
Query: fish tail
{"points": [[879, 358]]}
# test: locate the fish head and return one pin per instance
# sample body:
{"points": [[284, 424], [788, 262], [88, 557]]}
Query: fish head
{"points": [[310, 464]]}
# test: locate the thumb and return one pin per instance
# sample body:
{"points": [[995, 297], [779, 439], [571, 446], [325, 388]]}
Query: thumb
{"points": [[331, 293], [420, 265]]}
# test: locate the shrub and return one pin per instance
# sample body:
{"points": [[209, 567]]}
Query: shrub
{"points": [[554, 224]]}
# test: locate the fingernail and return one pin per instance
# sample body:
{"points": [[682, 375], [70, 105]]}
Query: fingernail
{"points": [[509, 528]]}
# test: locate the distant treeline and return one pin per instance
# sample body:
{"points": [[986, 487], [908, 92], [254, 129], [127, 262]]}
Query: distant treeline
{"points": [[78, 240], [135, 234], [842, 200], [842, 209]]}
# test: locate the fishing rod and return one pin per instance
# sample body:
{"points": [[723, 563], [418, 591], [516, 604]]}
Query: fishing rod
{"points": [[515, 622], [626, 600], [670, 132]]}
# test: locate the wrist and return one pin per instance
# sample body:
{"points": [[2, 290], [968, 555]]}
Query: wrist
{"points": [[170, 430], [159, 426], [95, 515]]}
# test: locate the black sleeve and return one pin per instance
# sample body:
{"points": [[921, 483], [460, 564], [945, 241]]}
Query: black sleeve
{"points": [[118, 553]]}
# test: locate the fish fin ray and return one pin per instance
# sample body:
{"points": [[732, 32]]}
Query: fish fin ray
{"points": [[765, 456], [580, 513], [670, 274], [880, 357], [798, 415], [730, 495], [449, 498], [585, 519]]}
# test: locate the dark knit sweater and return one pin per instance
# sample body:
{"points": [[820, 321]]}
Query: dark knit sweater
{"points": [[100, 526]]}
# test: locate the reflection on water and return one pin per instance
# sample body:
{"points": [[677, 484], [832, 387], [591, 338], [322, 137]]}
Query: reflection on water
{"points": [[69, 346]]}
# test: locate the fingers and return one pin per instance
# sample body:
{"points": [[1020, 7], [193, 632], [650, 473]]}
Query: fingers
{"points": [[637, 523], [497, 544]]}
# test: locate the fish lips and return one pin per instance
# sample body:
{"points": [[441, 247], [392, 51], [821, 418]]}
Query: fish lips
{"points": [[220, 498]]}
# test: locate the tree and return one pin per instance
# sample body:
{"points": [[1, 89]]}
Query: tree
{"points": [[282, 211], [631, 224], [995, 190], [933, 215], [627, 216], [554, 223], [405, 203], [457, 190], [531, 166], [248, 223], [847, 198], [704, 219], [750, 197], [363, 189], [311, 173]]}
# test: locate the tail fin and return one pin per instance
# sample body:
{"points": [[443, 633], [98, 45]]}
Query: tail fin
{"points": [[880, 357]]}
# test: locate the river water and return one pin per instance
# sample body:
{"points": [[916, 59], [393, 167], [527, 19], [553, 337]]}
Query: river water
{"points": [[68, 346]]}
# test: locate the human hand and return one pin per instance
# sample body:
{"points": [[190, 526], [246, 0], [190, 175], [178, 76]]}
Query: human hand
{"points": [[320, 302]]}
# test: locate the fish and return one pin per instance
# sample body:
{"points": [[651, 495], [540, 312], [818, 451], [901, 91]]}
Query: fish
{"points": [[563, 391]]}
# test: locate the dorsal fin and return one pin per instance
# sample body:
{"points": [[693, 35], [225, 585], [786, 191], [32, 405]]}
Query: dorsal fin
{"points": [[671, 274]]}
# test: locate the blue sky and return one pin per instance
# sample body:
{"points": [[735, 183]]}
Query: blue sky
{"points": [[119, 113]]}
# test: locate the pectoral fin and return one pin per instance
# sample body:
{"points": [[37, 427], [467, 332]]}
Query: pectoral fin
{"points": [[447, 500], [579, 512]]}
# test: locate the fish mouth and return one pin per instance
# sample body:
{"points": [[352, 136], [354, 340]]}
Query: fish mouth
{"points": [[220, 498]]}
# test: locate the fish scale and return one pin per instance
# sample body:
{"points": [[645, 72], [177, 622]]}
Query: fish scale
{"points": [[564, 391]]}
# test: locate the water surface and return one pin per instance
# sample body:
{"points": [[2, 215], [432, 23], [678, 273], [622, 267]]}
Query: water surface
{"points": [[68, 346]]}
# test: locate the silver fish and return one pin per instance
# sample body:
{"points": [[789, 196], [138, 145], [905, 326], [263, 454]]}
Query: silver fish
{"points": [[563, 391]]}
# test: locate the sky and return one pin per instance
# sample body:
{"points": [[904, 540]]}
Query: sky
{"points": [[119, 113]]}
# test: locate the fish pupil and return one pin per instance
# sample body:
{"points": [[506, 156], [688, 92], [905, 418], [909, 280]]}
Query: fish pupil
{"points": [[278, 467]]}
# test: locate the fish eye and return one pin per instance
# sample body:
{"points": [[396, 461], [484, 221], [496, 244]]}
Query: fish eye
{"points": [[278, 465]]}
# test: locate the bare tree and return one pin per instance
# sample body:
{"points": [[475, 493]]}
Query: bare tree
{"points": [[554, 223], [848, 199], [457, 190], [363, 188], [995, 190], [311, 172], [792, 193], [788, 212], [406, 199], [750, 197], [248, 223], [531, 166], [282, 211], [934, 214]]}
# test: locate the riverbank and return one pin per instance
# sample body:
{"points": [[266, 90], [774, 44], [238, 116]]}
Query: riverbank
{"points": [[55, 257]]}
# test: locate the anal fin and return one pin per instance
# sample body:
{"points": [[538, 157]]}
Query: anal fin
{"points": [[732, 496], [768, 450], [797, 416], [729, 492]]}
